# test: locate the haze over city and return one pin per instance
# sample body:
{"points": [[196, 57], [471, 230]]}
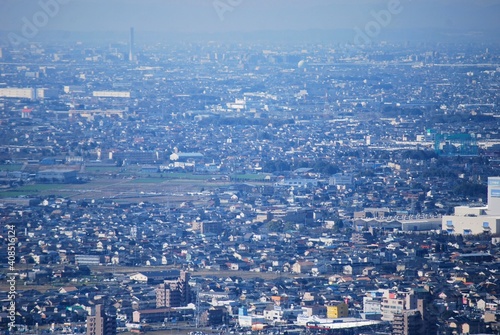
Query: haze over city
{"points": [[321, 19], [249, 167]]}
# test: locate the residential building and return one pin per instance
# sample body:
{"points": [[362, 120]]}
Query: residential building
{"points": [[20, 93], [302, 266], [394, 303], [408, 323], [100, 323], [174, 292]]}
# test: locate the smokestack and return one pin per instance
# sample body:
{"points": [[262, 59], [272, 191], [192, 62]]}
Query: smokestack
{"points": [[131, 55]]}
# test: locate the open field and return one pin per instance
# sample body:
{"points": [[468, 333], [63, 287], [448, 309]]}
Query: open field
{"points": [[171, 188], [132, 190]]}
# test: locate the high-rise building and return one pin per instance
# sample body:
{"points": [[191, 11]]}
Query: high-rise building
{"points": [[394, 303], [131, 52], [408, 323], [99, 323], [415, 321], [174, 292]]}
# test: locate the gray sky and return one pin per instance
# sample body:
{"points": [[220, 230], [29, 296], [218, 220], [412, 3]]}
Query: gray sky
{"points": [[201, 16]]}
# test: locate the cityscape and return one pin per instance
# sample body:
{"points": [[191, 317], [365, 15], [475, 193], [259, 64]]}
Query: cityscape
{"points": [[255, 186]]}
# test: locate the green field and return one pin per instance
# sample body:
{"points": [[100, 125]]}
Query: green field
{"points": [[11, 167], [32, 190]]}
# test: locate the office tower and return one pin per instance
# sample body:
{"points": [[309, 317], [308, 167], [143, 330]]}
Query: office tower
{"points": [[99, 323], [131, 55]]}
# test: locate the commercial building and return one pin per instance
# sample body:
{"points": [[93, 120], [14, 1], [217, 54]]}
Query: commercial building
{"points": [[337, 310], [246, 320], [468, 220], [494, 196]]}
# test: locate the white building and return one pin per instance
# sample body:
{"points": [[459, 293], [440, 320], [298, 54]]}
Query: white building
{"points": [[183, 156], [20, 93], [395, 303], [238, 104], [280, 314], [87, 259], [494, 196], [245, 320], [314, 322], [372, 305], [421, 224], [468, 220], [112, 94], [298, 182]]}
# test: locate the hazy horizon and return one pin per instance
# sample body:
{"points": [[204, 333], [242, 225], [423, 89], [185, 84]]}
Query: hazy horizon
{"points": [[247, 17]]}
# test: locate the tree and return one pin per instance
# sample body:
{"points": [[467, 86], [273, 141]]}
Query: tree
{"points": [[339, 224], [275, 226]]}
